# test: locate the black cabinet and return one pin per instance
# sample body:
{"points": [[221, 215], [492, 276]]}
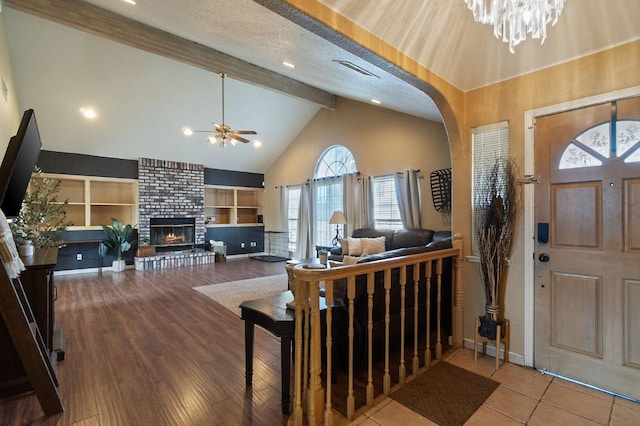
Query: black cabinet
{"points": [[239, 239]]}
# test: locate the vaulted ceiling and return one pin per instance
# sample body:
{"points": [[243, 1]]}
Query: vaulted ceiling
{"points": [[151, 69]]}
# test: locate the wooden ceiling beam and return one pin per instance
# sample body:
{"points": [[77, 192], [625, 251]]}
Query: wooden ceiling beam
{"points": [[95, 20]]}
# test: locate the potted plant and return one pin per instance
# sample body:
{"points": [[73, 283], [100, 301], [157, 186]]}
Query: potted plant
{"points": [[495, 218], [42, 217], [116, 239]]}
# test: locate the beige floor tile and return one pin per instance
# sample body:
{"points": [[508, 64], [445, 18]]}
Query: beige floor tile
{"points": [[394, 414], [511, 403], [623, 415], [365, 422], [583, 389], [548, 415], [464, 359], [524, 380], [574, 400], [486, 416], [629, 404]]}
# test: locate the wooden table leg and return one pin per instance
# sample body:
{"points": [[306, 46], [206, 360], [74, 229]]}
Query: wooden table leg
{"points": [[285, 360], [248, 351]]}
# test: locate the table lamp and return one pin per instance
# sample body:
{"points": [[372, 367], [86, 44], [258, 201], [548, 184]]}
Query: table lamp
{"points": [[337, 218]]}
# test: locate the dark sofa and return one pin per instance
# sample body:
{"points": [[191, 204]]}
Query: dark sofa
{"points": [[397, 243]]}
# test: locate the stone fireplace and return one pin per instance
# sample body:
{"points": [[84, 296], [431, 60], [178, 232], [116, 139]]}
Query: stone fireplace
{"points": [[172, 192]]}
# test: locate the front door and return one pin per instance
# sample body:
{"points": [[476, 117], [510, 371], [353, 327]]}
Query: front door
{"points": [[587, 273]]}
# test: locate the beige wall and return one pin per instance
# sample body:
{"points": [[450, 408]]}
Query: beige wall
{"points": [[604, 72], [381, 141], [9, 113]]}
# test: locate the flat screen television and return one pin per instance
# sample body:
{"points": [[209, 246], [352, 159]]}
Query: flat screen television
{"points": [[18, 163]]}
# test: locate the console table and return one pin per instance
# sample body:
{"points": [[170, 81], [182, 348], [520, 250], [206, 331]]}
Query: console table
{"points": [[271, 313]]}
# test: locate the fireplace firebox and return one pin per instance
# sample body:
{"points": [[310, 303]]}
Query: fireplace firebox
{"points": [[172, 233]]}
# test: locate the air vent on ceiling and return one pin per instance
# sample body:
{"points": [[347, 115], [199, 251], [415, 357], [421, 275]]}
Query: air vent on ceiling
{"points": [[355, 68]]}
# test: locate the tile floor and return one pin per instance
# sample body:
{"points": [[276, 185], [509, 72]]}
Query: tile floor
{"points": [[525, 396]]}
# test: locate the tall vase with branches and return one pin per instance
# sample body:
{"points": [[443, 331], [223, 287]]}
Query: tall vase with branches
{"points": [[496, 215]]}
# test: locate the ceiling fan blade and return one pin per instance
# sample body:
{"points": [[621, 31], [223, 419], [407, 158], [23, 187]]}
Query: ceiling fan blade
{"points": [[202, 131], [239, 138], [244, 132]]}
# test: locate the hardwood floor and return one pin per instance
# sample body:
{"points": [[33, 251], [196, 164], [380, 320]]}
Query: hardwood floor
{"points": [[143, 348]]}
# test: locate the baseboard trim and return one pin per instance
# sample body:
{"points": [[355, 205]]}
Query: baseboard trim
{"points": [[491, 351]]}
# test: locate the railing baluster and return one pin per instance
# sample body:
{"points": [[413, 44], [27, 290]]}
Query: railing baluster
{"points": [[351, 294], [402, 369], [416, 289], [328, 413], [439, 308], [386, 380], [370, 289], [427, 351], [316, 392]]}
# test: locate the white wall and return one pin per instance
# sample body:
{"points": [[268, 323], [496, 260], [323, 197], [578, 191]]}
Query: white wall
{"points": [[9, 113]]}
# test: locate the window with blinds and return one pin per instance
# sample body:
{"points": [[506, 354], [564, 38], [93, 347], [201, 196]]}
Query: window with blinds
{"points": [[293, 206], [386, 213], [488, 143]]}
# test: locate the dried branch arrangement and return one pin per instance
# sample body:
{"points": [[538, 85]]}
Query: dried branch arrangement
{"points": [[496, 214]]}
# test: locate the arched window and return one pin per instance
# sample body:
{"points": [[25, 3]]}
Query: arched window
{"points": [[594, 146], [334, 162]]}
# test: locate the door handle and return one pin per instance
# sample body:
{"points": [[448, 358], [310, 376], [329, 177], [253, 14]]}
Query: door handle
{"points": [[544, 257]]}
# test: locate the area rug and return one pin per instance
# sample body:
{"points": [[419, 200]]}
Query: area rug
{"points": [[231, 294], [269, 258], [446, 394]]}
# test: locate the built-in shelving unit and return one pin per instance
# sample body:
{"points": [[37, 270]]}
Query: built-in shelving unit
{"points": [[232, 206], [93, 201]]}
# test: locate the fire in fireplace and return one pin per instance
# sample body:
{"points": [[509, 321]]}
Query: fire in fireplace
{"points": [[169, 234]]}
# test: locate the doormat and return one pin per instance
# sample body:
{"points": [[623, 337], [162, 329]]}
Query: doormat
{"points": [[269, 258], [446, 394]]}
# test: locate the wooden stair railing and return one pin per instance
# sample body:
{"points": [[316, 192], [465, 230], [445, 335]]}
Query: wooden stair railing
{"points": [[311, 400]]}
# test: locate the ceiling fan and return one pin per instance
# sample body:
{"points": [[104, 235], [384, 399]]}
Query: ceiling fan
{"points": [[223, 132]]}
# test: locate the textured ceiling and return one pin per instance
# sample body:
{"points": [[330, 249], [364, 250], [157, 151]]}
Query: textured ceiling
{"points": [[147, 99]]}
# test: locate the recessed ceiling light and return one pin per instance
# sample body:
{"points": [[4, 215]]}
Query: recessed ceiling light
{"points": [[187, 131], [375, 101], [129, 1], [257, 143], [288, 64], [88, 113]]}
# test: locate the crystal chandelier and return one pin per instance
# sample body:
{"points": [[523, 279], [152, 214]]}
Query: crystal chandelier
{"points": [[513, 19]]}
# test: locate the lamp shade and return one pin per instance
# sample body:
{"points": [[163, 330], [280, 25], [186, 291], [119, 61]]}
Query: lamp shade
{"points": [[337, 218]]}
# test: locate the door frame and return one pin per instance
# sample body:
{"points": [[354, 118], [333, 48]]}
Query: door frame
{"points": [[529, 209]]}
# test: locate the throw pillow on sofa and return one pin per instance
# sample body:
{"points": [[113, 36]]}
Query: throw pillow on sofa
{"points": [[372, 245], [354, 247], [365, 246]]}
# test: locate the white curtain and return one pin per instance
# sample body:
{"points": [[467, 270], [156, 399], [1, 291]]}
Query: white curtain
{"points": [[304, 244], [282, 222], [357, 202], [408, 194]]}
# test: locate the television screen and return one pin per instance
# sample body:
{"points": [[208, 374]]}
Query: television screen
{"points": [[18, 163]]}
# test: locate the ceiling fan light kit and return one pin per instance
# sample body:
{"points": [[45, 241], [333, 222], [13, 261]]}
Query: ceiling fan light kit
{"points": [[223, 133]]}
